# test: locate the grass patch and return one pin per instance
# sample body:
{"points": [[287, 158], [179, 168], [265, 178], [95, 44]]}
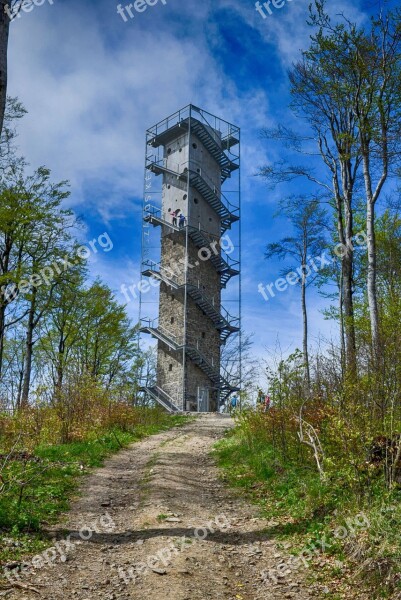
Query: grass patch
{"points": [[39, 486], [301, 510]]}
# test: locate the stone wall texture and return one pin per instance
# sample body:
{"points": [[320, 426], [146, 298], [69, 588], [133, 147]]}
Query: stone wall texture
{"points": [[180, 318]]}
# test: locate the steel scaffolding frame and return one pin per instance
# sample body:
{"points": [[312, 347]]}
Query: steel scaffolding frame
{"points": [[222, 141]]}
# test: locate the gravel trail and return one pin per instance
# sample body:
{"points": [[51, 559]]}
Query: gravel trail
{"points": [[156, 522]]}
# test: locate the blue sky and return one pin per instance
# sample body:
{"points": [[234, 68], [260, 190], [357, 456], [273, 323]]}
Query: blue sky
{"points": [[93, 84]]}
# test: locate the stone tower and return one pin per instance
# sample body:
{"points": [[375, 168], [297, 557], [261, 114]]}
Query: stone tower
{"points": [[191, 155]]}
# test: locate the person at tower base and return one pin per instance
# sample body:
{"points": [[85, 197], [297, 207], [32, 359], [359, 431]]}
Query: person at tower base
{"points": [[233, 403]]}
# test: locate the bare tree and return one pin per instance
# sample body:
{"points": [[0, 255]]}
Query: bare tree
{"points": [[349, 84], [239, 363], [321, 96], [305, 246], [375, 75]]}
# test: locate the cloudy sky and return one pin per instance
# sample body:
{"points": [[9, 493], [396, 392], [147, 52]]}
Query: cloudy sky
{"points": [[94, 82]]}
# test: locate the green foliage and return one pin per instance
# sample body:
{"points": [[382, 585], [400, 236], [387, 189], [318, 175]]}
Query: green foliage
{"points": [[57, 329], [273, 468], [37, 485]]}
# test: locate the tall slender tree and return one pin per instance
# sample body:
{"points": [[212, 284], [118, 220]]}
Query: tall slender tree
{"points": [[47, 242], [308, 242], [319, 97], [60, 331], [7, 9], [348, 88]]}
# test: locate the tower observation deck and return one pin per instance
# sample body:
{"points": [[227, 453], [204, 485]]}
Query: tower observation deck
{"points": [[191, 259]]}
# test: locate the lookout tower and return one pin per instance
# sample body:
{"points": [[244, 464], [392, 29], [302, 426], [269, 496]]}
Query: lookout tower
{"points": [[191, 259]]}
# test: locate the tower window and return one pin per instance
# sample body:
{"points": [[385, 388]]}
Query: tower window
{"points": [[169, 151], [210, 219], [194, 146], [168, 186], [196, 201], [198, 170], [172, 320], [172, 298], [170, 367], [185, 196], [180, 149], [203, 335]]}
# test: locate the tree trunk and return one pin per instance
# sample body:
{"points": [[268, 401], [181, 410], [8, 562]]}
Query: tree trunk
{"points": [[4, 32], [350, 340], [5, 260], [349, 288], [2, 333], [19, 392], [347, 268], [341, 313], [372, 271], [29, 351], [60, 368], [305, 326], [372, 276]]}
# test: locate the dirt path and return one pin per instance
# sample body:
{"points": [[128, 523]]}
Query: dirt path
{"points": [[150, 507]]}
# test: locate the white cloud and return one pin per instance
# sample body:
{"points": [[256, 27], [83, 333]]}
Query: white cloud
{"points": [[91, 93], [287, 29], [89, 107]]}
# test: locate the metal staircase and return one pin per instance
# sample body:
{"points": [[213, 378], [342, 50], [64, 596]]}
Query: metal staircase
{"points": [[216, 148], [226, 268], [154, 216], [212, 197], [224, 324], [160, 396], [197, 181], [192, 179], [213, 372], [212, 146], [222, 320], [161, 335]]}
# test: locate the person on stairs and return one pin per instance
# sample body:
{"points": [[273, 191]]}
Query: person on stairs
{"points": [[175, 215]]}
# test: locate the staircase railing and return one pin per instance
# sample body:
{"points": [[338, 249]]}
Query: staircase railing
{"points": [[221, 317], [181, 169], [161, 397]]}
